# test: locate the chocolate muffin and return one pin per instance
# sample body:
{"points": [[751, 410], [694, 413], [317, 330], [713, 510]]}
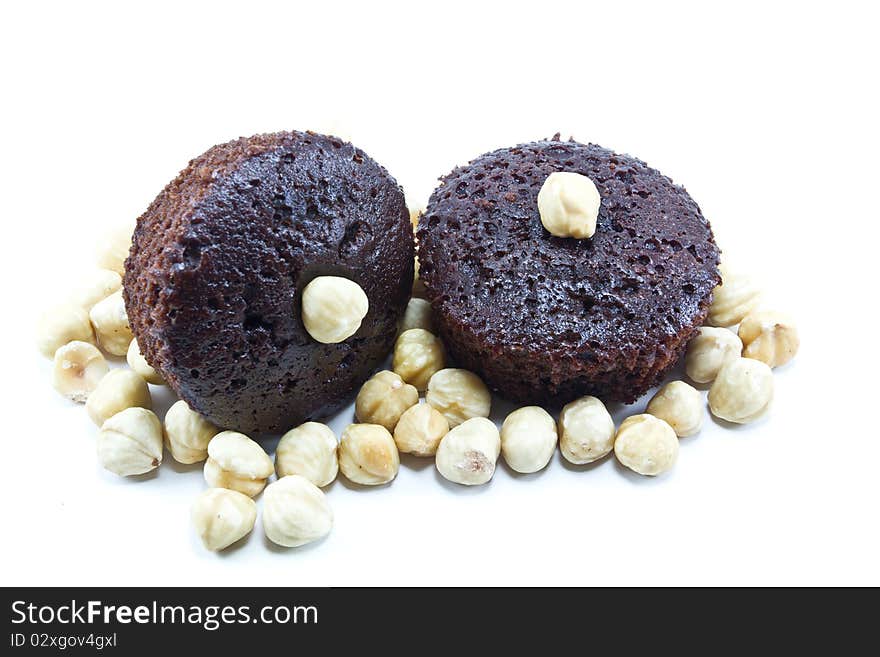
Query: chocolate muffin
{"points": [[545, 319], [220, 259]]}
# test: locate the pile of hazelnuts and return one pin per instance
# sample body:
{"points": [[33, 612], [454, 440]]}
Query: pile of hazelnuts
{"points": [[451, 423]]}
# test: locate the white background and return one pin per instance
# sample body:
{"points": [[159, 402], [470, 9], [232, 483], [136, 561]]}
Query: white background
{"points": [[766, 112]]}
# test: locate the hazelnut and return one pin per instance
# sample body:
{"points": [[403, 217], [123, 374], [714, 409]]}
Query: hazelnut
{"points": [[222, 517], [769, 337], [734, 298], [78, 368], [139, 364], [113, 247], [586, 431], [417, 315], [418, 288], [383, 399], [414, 215], [742, 391], [528, 439], [238, 463], [368, 455], [57, 327], [459, 395], [101, 284], [111, 324], [646, 444], [333, 308], [187, 433], [680, 406], [711, 349], [420, 430], [467, 454], [295, 512], [417, 355], [130, 442], [308, 450], [569, 205], [116, 391]]}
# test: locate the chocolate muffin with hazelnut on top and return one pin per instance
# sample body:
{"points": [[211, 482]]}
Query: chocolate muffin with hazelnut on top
{"points": [[265, 283], [545, 316]]}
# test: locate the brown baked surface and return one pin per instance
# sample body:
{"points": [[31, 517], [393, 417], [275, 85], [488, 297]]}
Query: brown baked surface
{"points": [[545, 319], [220, 258]]}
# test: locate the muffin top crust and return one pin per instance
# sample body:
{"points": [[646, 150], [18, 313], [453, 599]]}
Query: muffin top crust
{"points": [[489, 265], [219, 261]]}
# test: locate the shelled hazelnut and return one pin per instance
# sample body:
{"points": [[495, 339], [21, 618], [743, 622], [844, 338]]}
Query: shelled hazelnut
{"points": [[414, 214], [63, 324], [769, 337], [384, 398], [420, 430], [742, 391], [586, 431], [187, 434], [295, 512], [116, 391], [646, 445], [333, 308], [238, 463], [569, 205], [130, 442], [78, 368], [417, 315], [528, 439], [222, 517], [100, 285], [709, 351], [734, 298], [113, 247], [458, 394], [110, 322], [418, 354], [368, 455], [418, 287], [308, 450], [680, 406], [468, 453], [139, 364]]}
